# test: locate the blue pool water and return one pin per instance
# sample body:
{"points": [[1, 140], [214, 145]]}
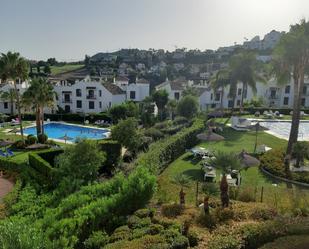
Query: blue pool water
{"points": [[58, 130]]}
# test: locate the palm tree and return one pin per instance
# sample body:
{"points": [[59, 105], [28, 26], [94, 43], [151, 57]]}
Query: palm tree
{"points": [[226, 162], [183, 181], [290, 60], [244, 68], [14, 67], [40, 94], [300, 152], [10, 96], [219, 82]]}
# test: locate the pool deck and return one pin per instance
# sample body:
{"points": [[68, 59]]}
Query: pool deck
{"points": [[108, 133]]}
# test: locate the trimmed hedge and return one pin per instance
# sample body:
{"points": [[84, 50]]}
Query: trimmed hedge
{"points": [[164, 151], [9, 165], [273, 162], [50, 155]]}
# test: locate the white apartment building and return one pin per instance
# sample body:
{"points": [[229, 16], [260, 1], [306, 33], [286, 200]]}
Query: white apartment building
{"points": [[273, 94]]}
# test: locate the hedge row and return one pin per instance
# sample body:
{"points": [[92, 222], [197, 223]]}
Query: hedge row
{"points": [[163, 152], [273, 162], [9, 165]]}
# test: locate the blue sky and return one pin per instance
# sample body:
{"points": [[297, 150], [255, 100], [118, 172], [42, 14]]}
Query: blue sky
{"points": [[69, 29]]}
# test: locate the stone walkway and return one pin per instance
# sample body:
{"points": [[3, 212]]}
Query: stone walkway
{"points": [[5, 187]]}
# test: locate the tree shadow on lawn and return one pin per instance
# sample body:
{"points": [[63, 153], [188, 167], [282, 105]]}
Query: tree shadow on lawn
{"points": [[194, 174]]}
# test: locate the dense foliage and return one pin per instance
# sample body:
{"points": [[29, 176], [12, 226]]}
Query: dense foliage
{"points": [[188, 106], [166, 150]]}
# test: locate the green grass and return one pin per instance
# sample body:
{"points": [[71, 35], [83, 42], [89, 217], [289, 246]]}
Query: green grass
{"points": [[276, 194], [65, 68]]}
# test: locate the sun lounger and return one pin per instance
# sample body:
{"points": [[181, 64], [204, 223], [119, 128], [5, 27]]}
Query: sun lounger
{"points": [[3, 154], [9, 152]]}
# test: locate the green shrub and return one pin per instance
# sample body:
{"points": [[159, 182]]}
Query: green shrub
{"points": [[96, 240], [42, 138], [113, 151], [180, 120], [172, 210], [40, 165], [154, 133], [164, 151], [145, 212], [246, 195], [10, 165], [206, 220], [180, 242], [31, 139], [19, 145], [224, 214], [162, 125], [193, 238], [260, 213], [50, 155]]}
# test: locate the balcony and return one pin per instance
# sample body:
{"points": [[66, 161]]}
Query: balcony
{"points": [[91, 97], [66, 100]]}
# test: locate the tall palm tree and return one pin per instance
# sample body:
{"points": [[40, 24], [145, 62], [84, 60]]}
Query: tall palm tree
{"points": [[40, 94], [244, 69], [10, 96], [14, 67], [183, 181], [219, 82], [290, 60], [226, 162]]}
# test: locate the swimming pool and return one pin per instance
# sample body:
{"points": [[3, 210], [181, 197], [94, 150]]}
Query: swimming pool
{"points": [[282, 129], [57, 131]]}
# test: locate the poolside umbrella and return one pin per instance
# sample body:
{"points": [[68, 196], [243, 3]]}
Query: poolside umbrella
{"points": [[65, 138], [210, 136], [37, 146], [5, 143], [247, 160]]}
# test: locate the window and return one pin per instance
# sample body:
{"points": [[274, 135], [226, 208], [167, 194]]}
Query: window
{"points": [[305, 90], [100, 93], [238, 102], [211, 96], [132, 94], [286, 100], [217, 97], [100, 104], [91, 94], [239, 91], [231, 104], [91, 104], [273, 94], [67, 108], [303, 102], [287, 89], [78, 92], [177, 96], [109, 104], [78, 104], [6, 105]]}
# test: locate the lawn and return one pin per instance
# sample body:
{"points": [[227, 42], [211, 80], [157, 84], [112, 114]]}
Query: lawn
{"points": [[277, 194], [65, 68]]}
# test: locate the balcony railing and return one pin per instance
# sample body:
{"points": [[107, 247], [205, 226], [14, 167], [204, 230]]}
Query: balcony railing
{"points": [[66, 100], [91, 96]]}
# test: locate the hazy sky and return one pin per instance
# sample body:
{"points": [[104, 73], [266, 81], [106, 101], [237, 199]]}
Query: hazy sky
{"points": [[69, 29]]}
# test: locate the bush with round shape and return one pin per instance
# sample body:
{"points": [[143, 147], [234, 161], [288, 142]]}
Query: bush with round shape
{"points": [[96, 240], [154, 133], [42, 138], [31, 139], [172, 210]]}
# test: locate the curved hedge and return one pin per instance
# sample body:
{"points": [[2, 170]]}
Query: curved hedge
{"points": [[273, 162], [164, 151]]}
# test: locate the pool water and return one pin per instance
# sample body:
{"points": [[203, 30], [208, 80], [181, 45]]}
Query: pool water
{"points": [[59, 130], [282, 129]]}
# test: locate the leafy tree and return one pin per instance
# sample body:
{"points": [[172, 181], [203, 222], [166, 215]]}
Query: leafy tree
{"points": [[14, 67], [300, 152], [123, 111], [226, 162], [147, 111], [127, 134], [187, 107], [78, 165], [10, 95], [40, 94], [172, 108], [291, 59], [52, 61], [192, 91], [47, 69], [160, 97]]}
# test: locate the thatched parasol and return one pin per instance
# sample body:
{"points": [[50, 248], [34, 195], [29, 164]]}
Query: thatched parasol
{"points": [[210, 136], [247, 160], [37, 146]]}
